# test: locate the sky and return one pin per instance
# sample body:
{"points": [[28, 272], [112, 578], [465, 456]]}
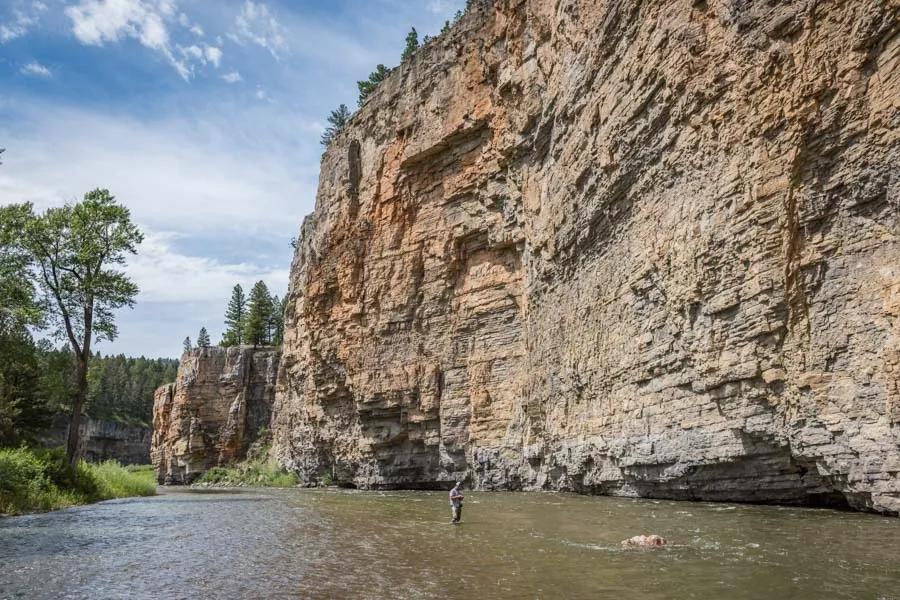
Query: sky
{"points": [[203, 117]]}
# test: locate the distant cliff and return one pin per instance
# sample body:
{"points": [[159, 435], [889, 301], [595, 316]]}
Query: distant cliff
{"points": [[219, 404], [616, 247], [103, 440]]}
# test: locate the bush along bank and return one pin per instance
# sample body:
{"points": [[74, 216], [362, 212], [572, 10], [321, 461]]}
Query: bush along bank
{"points": [[257, 471], [40, 480]]}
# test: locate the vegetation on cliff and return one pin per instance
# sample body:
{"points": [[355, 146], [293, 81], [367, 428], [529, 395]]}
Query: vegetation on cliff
{"points": [[258, 321], [257, 471], [38, 480]]}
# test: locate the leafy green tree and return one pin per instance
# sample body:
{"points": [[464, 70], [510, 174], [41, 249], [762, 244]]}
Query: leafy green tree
{"points": [[235, 315], [412, 44], [259, 315], [75, 250], [203, 338], [337, 121], [367, 86]]}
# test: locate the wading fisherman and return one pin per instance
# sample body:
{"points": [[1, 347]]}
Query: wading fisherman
{"points": [[456, 502]]}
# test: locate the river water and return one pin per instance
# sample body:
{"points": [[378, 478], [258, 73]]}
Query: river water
{"points": [[347, 544]]}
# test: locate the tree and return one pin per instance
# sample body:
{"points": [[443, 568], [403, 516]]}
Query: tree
{"points": [[234, 317], [412, 44], [338, 120], [445, 28], [203, 338], [367, 86], [74, 250], [278, 307], [187, 344], [259, 314]]}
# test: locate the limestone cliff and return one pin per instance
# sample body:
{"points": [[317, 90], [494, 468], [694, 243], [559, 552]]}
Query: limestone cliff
{"points": [[219, 404], [616, 247]]}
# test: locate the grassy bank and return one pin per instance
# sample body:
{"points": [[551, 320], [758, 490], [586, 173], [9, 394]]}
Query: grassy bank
{"points": [[38, 480], [255, 473]]}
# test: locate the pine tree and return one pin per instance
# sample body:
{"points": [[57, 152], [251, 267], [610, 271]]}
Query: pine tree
{"points": [[235, 315], [338, 120], [203, 338], [259, 313], [412, 44], [367, 86], [187, 344], [277, 320], [445, 28]]}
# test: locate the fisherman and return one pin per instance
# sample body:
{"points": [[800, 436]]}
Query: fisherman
{"points": [[456, 502]]}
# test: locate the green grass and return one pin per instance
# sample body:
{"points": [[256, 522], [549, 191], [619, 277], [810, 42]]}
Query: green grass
{"points": [[255, 473], [38, 480]]}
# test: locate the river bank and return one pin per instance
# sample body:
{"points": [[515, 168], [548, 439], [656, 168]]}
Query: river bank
{"points": [[35, 480], [314, 543]]}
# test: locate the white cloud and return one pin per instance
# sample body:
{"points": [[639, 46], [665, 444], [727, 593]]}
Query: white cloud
{"points": [[232, 77], [95, 22], [213, 55], [164, 274], [256, 25], [35, 69], [197, 30], [20, 20]]}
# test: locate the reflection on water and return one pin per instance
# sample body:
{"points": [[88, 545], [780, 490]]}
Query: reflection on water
{"points": [[345, 544]]}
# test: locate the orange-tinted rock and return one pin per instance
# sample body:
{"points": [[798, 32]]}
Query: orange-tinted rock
{"points": [[634, 248], [218, 406]]}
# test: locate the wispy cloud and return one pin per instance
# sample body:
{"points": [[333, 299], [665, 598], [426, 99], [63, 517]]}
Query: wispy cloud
{"points": [[35, 69], [22, 17], [95, 22], [255, 24], [233, 77]]}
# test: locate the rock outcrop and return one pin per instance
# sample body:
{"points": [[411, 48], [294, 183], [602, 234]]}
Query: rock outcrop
{"points": [[102, 440], [220, 403], [615, 247]]}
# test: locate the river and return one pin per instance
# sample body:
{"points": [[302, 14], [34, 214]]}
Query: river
{"points": [[346, 544]]}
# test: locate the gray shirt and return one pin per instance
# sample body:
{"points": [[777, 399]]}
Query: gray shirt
{"points": [[455, 492]]}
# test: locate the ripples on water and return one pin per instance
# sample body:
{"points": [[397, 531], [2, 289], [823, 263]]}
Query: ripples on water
{"points": [[345, 544]]}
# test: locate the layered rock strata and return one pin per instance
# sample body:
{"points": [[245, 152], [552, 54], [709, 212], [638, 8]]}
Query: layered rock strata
{"points": [[220, 403], [102, 440], [615, 247]]}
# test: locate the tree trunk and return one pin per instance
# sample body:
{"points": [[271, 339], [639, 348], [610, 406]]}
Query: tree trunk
{"points": [[82, 359], [72, 449]]}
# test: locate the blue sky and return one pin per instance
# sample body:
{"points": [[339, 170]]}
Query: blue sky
{"points": [[202, 116]]}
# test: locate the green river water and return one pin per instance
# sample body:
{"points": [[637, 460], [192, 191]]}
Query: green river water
{"points": [[348, 544]]}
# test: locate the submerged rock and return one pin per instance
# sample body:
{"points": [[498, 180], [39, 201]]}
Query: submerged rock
{"points": [[645, 541]]}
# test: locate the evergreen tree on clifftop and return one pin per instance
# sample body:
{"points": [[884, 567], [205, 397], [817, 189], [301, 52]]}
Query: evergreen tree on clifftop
{"points": [[235, 315], [277, 320], [367, 86], [412, 44], [187, 344], [338, 120], [259, 315], [203, 338]]}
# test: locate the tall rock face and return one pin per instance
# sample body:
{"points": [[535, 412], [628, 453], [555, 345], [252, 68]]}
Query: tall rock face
{"points": [[616, 247], [220, 403]]}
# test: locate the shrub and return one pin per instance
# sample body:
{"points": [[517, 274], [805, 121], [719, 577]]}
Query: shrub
{"points": [[255, 473]]}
